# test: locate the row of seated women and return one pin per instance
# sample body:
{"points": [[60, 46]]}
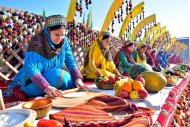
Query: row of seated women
{"points": [[99, 61], [51, 47]]}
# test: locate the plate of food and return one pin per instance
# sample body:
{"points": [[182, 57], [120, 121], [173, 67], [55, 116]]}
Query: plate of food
{"points": [[74, 94]]}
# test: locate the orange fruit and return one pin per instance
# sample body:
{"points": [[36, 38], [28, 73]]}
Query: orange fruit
{"points": [[127, 87], [137, 85]]}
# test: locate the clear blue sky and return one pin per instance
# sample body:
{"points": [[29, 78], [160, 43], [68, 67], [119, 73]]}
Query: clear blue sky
{"points": [[170, 13]]}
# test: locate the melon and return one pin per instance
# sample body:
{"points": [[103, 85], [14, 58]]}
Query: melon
{"points": [[154, 81]]}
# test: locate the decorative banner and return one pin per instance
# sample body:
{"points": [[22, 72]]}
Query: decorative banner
{"points": [[157, 34], [144, 22], [150, 31], [135, 11], [71, 11], [163, 39], [110, 15], [170, 43]]}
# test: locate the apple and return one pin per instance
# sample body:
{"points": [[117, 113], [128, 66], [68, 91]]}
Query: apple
{"points": [[105, 78], [111, 79], [103, 81], [141, 79], [134, 95], [143, 93], [117, 78], [123, 94]]}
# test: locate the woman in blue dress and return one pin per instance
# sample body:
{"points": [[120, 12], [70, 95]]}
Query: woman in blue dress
{"points": [[47, 55]]}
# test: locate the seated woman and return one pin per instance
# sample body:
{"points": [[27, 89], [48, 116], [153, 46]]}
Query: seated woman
{"points": [[47, 54], [99, 61], [148, 52], [153, 61], [165, 57], [139, 54], [172, 59], [160, 59], [125, 59]]}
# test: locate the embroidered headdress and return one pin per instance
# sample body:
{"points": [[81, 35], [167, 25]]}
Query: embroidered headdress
{"points": [[41, 43], [55, 20]]}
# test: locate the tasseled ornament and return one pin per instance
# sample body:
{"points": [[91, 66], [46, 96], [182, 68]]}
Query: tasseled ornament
{"points": [[121, 11], [115, 15], [112, 23], [90, 2], [131, 15], [127, 9], [122, 19], [112, 30], [80, 10], [130, 5], [118, 16], [143, 14], [77, 6], [145, 29], [86, 3], [137, 20]]}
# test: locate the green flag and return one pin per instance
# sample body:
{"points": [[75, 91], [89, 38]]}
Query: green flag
{"points": [[44, 15], [89, 20], [83, 21]]}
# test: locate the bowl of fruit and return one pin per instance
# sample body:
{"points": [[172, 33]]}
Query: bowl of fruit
{"points": [[105, 83], [130, 89]]}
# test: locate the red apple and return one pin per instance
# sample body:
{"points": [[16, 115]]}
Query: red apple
{"points": [[143, 93], [111, 79], [117, 78], [103, 81], [141, 79], [123, 94]]}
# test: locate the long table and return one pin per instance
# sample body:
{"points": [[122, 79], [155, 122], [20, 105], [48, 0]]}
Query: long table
{"points": [[154, 100]]}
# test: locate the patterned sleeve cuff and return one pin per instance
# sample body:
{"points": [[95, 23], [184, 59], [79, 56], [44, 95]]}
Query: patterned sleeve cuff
{"points": [[75, 73], [40, 81]]}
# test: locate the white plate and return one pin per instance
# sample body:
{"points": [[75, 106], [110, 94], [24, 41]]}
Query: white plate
{"points": [[16, 117], [74, 94]]}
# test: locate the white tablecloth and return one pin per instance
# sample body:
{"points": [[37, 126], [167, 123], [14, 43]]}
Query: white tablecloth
{"points": [[154, 100]]}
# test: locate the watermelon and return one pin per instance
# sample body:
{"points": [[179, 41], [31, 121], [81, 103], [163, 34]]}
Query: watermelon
{"points": [[137, 69]]}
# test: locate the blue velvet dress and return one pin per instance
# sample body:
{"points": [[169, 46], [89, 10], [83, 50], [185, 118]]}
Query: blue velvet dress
{"points": [[50, 69]]}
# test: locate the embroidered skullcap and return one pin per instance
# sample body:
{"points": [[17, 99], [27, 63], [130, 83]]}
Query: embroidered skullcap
{"points": [[55, 20]]}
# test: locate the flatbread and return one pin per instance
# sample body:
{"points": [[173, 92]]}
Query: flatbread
{"points": [[74, 94]]}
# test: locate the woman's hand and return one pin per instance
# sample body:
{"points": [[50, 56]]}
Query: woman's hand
{"points": [[52, 91], [80, 84]]}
